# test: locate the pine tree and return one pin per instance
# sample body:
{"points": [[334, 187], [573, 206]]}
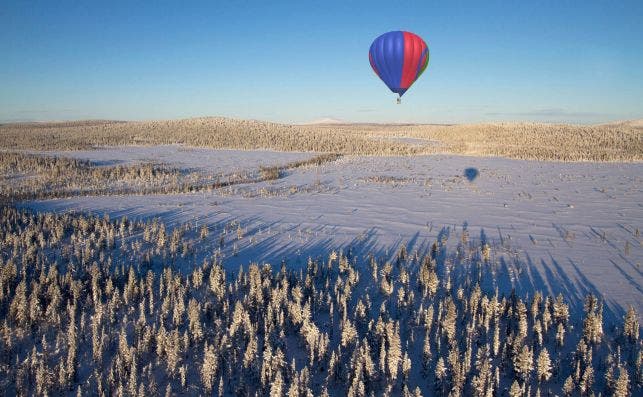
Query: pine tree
{"points": [[132, 383], [209, 367], [515, 390], [587, 380], [523, 363], [277, 385], [609, 377], [538, 332], [543, 366], [194, 318], [250, 353], [560, 334], [293, 390], [561, 310], [239, 232], [440, 374], [172, 350], [631, 325], [161, 238], [547, 315], [592, 328], [449, 321], [43, 380], [457, 371], [406, 365], [35, 309], [428, 278], [394, 354], [426, 352], [568, 386], [486, 252], [72, 347], [482, 379], [621, 387], [19, 308], [535, 305], [203, 234], [349, 333], [496, 339], [521, 310]]}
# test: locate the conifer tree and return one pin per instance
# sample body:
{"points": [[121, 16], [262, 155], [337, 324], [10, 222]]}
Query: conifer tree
{"points": [[440, 375], [277, 386], [209, 367], [482, 380], [568, 386], [426, 352], [561, 310], [622, 387], [394, 353], [543, 366], [587, 380], [631, 325], [523, 363], [204, 232], [515, 390], [19, 308], [560, 334]]}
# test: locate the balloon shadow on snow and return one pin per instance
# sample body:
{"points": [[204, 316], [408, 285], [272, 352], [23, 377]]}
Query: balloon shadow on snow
{"points": [[471, 173]]}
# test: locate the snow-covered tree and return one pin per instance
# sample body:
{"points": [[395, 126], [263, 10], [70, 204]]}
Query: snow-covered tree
{"points": [[631, 325], [515, 390], [524, 363], [622, 385]]}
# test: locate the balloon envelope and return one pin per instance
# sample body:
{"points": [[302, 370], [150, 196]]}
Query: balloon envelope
{"points": [[399, 58]]}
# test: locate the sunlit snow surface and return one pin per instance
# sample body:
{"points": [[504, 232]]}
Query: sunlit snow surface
{"points": [[555, 227]]}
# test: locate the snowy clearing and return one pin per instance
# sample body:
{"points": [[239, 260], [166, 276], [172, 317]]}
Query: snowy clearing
{"points": [[556, 227]]}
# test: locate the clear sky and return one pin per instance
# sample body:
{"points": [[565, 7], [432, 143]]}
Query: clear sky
{"points": [[577, 61]]}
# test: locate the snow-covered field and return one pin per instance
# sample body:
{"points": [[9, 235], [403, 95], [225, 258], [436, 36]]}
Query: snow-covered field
{"points": [[557, 227]]}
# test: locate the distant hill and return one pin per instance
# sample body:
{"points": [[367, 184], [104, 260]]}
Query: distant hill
{"points": [[325, 120], [638, 123], [617, 141]]}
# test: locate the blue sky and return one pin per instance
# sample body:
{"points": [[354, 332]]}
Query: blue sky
{"points": [[303, 60]]}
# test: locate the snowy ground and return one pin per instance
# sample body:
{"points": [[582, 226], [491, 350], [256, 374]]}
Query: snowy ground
{"points": [[556, 227]]}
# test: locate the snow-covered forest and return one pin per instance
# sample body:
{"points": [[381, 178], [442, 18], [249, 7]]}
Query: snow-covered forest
{"points": [[93, 306]]}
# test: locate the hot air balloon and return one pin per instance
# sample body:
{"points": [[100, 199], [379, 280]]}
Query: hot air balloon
{"points": [[399, 58]]}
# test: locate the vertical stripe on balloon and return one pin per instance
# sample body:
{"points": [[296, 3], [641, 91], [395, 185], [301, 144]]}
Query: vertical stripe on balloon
{"points": [[370, 59], [424, 62], [413, 47]]}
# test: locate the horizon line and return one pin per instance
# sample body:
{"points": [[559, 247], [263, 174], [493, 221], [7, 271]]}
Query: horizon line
{"points": [[321, 121]]}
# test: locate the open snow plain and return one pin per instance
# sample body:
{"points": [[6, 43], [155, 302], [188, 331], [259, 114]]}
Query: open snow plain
{"points": [[570, 228]]}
